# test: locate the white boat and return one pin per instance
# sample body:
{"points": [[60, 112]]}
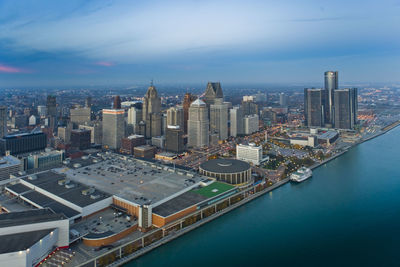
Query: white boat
{"points": [[301, 174]]}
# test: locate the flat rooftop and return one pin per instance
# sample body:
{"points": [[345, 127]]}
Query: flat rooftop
{"points": [[21, 241], [8, 161], [136, 180], [179, 203], [213, 189], [72, 191], [28, 217]]}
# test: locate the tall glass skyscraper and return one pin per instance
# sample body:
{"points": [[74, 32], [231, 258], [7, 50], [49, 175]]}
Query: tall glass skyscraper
{"points": [[345, 102], [314, 107], [331, 84]]}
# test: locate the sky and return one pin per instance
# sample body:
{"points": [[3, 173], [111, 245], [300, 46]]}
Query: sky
{"points": [[104, 42]]}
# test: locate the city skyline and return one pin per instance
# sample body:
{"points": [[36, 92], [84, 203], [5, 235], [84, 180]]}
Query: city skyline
{"points": [[107, 43]]}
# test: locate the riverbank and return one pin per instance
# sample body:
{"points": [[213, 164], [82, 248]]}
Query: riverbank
{"points": [[171, 235]]}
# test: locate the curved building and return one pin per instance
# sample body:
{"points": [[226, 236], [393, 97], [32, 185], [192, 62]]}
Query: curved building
{"points": [[232, 171]]}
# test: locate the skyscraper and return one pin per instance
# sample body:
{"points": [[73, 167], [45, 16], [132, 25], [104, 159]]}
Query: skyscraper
{"points": [[3, 121], [331, 84], [152, 112], [51, 105], [187, 100], [314, 107], [174, 139], [134, 117], [175, 116], [219, 119], [248, 106], [345, 103], [88, 102], [212, 92], [283, 100], [236, 119], [113, 127], [117, 102], [198, 124]]}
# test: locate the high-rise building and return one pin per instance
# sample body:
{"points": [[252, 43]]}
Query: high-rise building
{"points": [[175, 116], [219, 119], [251, 124], [236, 119], [213, 91], [187, 100], [117, 102], [51, 106], [42, 111], [96, 131], [152, 112], [331, 84], [3, 121], [250, 153], [134, 117], [80, 115], [65, 133], [88, 102], [198, 124], [249, 107], [345, 108], [113, 128], [314, 107], [174, 139], [23, 143], [283, 100], [80, 139]]}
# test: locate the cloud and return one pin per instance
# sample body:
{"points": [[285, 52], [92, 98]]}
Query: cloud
{"points": [[9, 69], [104, 63]]}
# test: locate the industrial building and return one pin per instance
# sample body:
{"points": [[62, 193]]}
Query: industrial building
{"points": [[228, 170]]}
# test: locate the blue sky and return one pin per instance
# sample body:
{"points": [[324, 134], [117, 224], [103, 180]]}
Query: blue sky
{"points": [[82, 42]]}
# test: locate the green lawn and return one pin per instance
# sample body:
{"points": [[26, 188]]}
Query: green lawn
{"points": [[213, 189]]}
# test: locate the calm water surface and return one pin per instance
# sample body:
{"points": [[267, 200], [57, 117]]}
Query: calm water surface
{"points": [[347, 214]]}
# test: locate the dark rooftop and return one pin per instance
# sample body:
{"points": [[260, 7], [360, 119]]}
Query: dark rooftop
{"points": [[18, 188], [27, 217], [179, 203], [49, 181], [225, 166], [21, 241]]}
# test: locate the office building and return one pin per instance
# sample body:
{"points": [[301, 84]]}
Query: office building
{"points": [[88, 102], [219, 119], [283, 100], [42, 111], [249, 107], [113, 128], [51, 106], [33, 120], [130, 142], [23, 143], [65, 133], [251, 124], [249, 153], [96, 131], [80, 115], [144, 151], [9, 165], [175, 116], [314, 107], [174, 139], [345, 108], [187, 100], [331, 84], [44, 160], [3, 121], [213, 91], [198, 124], [134, 117], [117, 102], [236, 119], [152, 113], [158, 141], [80, 139]]}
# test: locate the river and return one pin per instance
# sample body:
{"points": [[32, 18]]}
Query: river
{"points": [[347, 214]]}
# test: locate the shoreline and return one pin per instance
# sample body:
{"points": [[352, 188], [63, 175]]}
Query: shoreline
{"points": [[183, 231]]}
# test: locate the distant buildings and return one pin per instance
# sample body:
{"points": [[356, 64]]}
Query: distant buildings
{"points": [[3, 121], [251, 124], [80, 115], [236, 119], [283, 100], [250, 153], [80, 139], [187, 100], [113, 128], [219, 119], [213, 91], [249, 107], [198, 124], [152, 113]]}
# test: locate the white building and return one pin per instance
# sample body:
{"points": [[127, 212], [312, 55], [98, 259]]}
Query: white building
{"points": [[198, 124], [250, 153], [251, 124]]}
